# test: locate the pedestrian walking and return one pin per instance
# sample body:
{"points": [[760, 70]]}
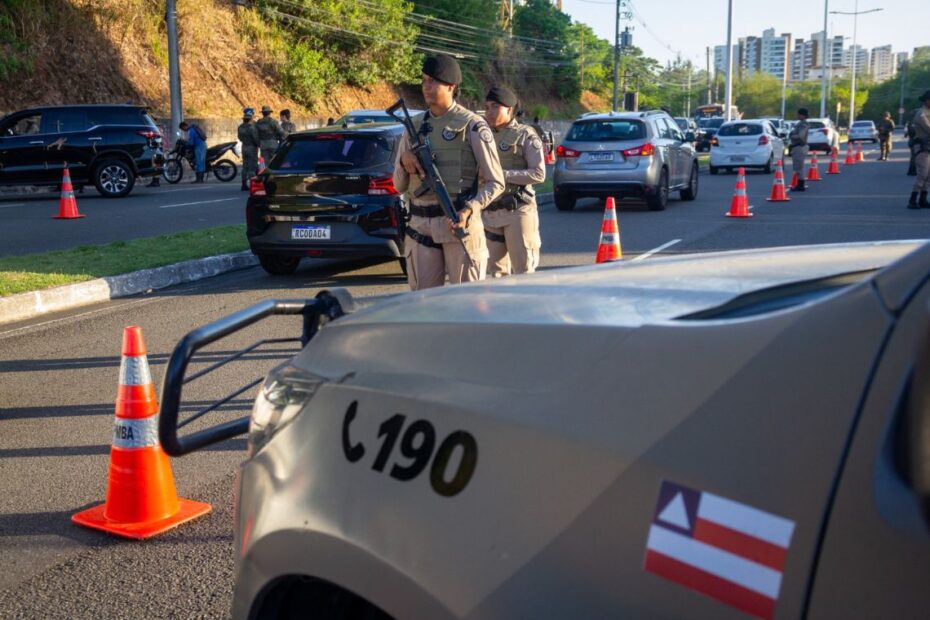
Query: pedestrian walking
{"points": [[248, 136], [466, 157], [921, 151], [197, 140], [286, 125], [270, 134], [885, 134], [511, 222], [797, 148]]}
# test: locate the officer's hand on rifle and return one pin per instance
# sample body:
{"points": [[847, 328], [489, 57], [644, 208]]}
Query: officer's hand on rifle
{"points": [[464, 214], [410, 163]]}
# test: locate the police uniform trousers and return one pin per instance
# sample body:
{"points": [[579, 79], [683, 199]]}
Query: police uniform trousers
{"points": [[922, 166], [885, 144], [428, 265], [513, 240], [249, 162], [268, 149], [798, 157]]}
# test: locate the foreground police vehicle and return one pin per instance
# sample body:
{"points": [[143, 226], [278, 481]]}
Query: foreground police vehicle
{"points": [[703, 436]]}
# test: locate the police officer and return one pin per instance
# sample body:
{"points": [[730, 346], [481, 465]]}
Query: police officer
{"points": [[286, 125], [466, 157], [797, 148], [248, 136], [511, 222], [909, 136], [921, 150], [885, 133], [269, 133]]}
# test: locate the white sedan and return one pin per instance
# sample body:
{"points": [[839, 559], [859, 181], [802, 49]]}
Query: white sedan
{"points": [[822, 135], [745, 144], [862, 131]]}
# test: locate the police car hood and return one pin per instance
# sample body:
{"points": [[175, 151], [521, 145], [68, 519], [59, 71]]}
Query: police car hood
{"points": [[631, 293]]}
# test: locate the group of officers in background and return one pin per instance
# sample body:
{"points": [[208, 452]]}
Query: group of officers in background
{"points": [[489, 165], [261, 138]]}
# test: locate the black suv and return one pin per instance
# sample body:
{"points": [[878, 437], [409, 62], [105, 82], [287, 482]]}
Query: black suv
{"points": [[328, 193], [107, 145]]}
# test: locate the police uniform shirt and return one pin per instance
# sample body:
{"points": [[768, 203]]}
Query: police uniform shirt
{"points": [[921, 124], [532, 147], [798, 135], [490, 174]]}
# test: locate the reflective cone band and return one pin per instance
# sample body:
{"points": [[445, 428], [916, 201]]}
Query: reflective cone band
{"points": [[778, 186], [860, 156], [813, 173], [850, 158], [141, 497], [739, 206], [834, 167], [67, 205], [609, 247]]}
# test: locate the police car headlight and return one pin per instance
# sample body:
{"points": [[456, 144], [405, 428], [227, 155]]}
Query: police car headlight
{"points": [[281, 398]]}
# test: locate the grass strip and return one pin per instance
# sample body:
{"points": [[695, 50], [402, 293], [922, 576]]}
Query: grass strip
{"points": [[32, 272]]}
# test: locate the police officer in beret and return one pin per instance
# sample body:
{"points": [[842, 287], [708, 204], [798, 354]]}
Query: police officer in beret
{"points": [[466, 156], [920, 147], [511, 222], [247, 133]]}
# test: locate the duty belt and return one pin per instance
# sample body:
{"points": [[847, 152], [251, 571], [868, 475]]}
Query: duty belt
{"points": [[427, 211], [494, 236], [421, 238]]}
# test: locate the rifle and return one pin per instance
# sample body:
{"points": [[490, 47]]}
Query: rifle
{"points": [[419, 145]]}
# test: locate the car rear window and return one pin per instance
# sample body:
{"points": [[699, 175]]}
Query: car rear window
{"points": [[334, 151], [862, 124], [740, 129], [606, 131], [815, 124], [118, 116]]}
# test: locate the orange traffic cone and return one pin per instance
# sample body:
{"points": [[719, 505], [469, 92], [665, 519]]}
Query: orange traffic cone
{"points": [[813, 172], [261, 165], [860, 156], [67, 205], [609, 247], [739, 206], [850, 157], [778, 186], [141, 498], [834, 167], [794, 180]]}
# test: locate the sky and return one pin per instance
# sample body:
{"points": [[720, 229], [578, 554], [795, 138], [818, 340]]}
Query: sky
{"points": [[689, 26]]}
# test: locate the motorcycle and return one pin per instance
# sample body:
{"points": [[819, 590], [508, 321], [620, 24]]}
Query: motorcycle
{"points": [[223, 169]]}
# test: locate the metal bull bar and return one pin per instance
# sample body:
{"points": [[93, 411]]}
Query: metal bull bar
{"points": [[326, 306]]}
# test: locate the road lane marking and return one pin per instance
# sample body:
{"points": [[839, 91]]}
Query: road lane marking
{"points": [[187, 189], [15, 204], [658, 249], [201, 202], [134, 302]]}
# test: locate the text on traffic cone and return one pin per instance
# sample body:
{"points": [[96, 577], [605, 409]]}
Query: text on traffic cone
{"points": [[778, 186], [609, 247], [141, 497], [67, 205], [739, 206]]}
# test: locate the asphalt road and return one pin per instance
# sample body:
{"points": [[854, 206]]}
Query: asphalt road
{"points": [[58, 380]]}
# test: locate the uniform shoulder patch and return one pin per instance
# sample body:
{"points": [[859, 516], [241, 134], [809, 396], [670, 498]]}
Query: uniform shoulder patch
{"points": [[535, 142], [484, 131]]}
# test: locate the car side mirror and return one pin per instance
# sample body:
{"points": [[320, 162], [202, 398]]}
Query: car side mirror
{"points": [[689, 136], [917, 425]]}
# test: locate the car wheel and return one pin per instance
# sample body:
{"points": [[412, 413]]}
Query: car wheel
{"points": [[114, 178], [278, 265], [659, 200], [564, 202], [714, 169], [690, 192], [224, 170]]}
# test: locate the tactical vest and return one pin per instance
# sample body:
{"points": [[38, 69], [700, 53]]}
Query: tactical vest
{"points": [[247, 136], [798, 135], [510, 143], [449, 141], [266, 130]]}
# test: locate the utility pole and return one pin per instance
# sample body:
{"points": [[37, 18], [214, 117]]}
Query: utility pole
{"points": [[616, 56], [582, 54], [729, 88], [709, 101], [174, 73], [823, 64], [688, 108], [903, 80]]}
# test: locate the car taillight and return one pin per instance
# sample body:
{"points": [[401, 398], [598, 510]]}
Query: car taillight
{"points": [[825, 131], [392, 215], [149, 135], [763, 140], [561, 151], [714, 141], [257, 188], [646, 150], [382, 186]]}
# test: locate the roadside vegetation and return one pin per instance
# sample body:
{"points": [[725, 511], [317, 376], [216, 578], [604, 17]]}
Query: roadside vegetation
{"points": [[32, 272]]}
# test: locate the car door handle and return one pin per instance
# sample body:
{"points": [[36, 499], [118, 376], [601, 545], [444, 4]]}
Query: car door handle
{"points": [[37, 142], [94, 139]]}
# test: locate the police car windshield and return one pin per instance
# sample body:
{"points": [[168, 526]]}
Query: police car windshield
{"points": [[740, 129], [333, 150], [606, 131]]}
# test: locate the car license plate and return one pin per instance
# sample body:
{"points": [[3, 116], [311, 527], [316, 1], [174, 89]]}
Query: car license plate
{"points": [[310, 232], [737, 158], [601, 157]]}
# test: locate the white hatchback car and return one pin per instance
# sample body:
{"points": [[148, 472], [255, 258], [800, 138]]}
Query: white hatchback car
{"points": [[823, 135], [862, 131], [745, 144]]}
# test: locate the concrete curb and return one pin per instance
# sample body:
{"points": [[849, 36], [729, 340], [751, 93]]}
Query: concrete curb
{"points": [[36, 303]]}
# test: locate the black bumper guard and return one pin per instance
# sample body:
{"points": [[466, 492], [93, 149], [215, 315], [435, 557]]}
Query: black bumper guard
{"points": [[326, 306]]}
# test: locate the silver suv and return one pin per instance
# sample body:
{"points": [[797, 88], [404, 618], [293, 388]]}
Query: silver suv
{"points": [[625, 155]]}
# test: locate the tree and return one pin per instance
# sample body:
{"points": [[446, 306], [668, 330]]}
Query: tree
{"points": [[758, 95]]}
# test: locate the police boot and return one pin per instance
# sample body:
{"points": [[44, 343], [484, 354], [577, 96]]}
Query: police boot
{"points": [[802, 186], [912, 203], [923, 201]]}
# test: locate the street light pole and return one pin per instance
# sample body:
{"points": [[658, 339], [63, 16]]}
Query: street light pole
{"points": [[616, 55], [823, 64], [729, 88], [852, 89], [174, 74]]}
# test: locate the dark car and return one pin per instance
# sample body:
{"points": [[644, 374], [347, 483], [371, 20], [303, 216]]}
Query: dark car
{"points": [[709, 127], [109, 146], [328, 193], [689, 125]]}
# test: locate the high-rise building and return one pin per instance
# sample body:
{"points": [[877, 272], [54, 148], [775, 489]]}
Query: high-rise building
{"points": [[860, 61], [720, 58], [900, 59], [775, 53], [883, 66]]}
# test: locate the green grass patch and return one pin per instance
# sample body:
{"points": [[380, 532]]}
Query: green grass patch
{"points": [[32, 272]]}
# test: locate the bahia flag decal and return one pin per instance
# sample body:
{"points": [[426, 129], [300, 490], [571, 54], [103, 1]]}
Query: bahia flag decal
{"points": [[729, 551]]}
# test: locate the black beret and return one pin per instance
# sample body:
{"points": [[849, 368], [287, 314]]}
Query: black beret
{"points": [[803, 112], [925, 96], [443, 68], [503, 96]]}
